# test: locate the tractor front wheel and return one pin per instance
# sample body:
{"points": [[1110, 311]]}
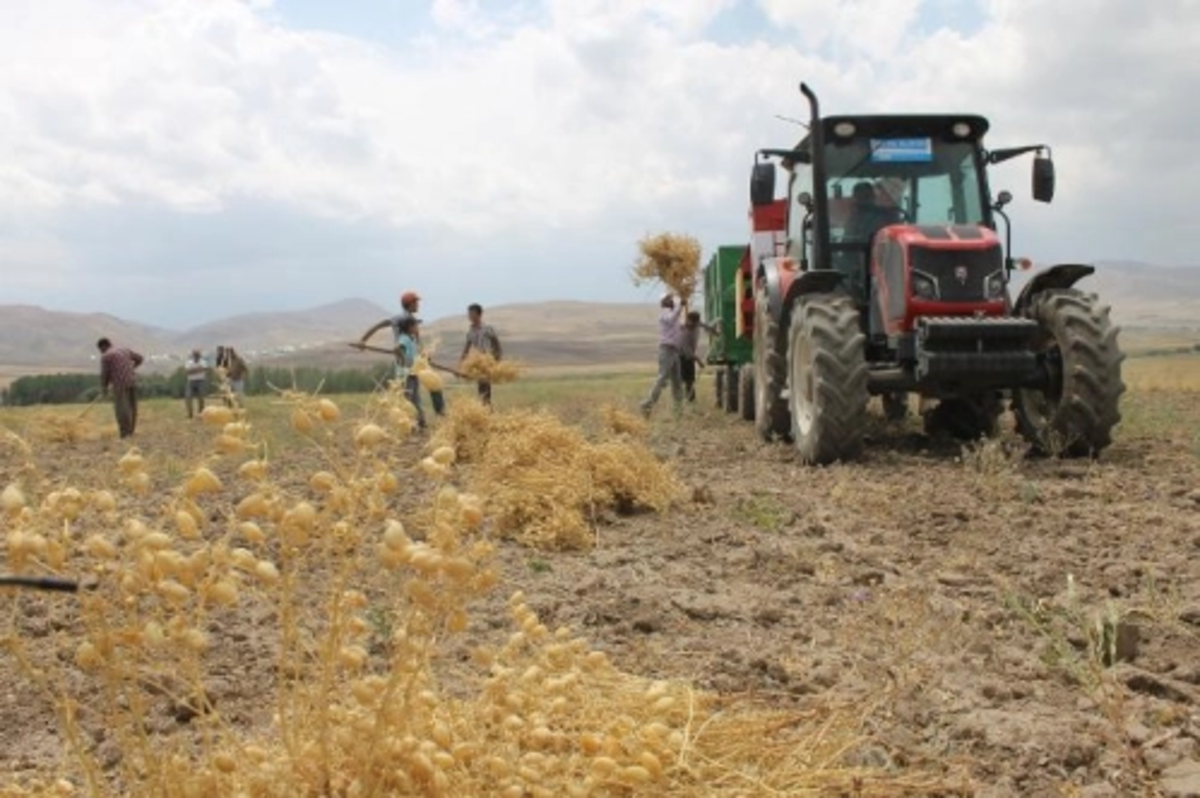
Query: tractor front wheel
{"points": [[1075, 414], [827, 379], [772, 418]]}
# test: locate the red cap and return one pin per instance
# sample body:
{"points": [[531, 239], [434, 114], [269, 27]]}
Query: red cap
{"points": [[408, 297]]}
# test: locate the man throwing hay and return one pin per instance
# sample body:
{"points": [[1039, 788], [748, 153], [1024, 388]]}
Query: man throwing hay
{"points": [[669, 334], [118, 371], [409, 304], [481, 337]]}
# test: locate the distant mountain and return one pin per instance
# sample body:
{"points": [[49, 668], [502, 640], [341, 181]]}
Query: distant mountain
{"points": [[1142, 294], [35, 336], [266, 331]]}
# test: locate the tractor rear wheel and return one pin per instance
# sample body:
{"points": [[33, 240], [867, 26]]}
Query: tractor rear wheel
{"points": [[772, 418], [1075, 415], [746, 386], [827, 379], [966, 418]]}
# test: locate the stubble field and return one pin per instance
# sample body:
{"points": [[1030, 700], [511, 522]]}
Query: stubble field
{"points": [[934, 619]]}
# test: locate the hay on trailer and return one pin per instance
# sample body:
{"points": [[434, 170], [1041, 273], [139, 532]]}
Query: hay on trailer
{"points": [[671, 259], [483, 366]]}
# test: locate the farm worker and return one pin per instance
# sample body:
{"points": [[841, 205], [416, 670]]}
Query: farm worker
{"points": [[409, 304], [235, 371], [689, 343], [669, 333], [197, 373], [406, 358], [482, 337], [118, 371]]}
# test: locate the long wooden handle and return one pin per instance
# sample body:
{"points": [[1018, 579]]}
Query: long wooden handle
{"points": [[40, 583], [384, 350]]}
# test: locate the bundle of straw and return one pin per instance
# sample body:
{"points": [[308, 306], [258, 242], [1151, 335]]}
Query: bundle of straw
{"points": [[671, 259], [483, 366]]}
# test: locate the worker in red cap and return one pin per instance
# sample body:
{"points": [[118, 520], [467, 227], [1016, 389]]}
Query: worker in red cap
{"points": [[410, 303]]}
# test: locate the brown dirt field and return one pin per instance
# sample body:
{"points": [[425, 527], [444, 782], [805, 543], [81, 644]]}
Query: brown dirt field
{"points": [[965, 599]]}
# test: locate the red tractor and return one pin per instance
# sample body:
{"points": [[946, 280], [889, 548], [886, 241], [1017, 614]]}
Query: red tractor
{"points": [[881, 273]]}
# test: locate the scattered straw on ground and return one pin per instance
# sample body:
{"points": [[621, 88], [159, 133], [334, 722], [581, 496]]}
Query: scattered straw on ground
{"points": [[671, 259], [619, 421], [483, 366], [543, 481]]}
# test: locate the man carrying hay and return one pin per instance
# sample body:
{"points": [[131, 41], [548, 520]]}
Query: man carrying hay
{"points": [[669, 333], [118, 371], [689, 345], [481, 337]]}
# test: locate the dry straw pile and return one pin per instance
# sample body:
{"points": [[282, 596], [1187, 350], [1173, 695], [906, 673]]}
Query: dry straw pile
{"points": [[544, 481], [671, 259], [483, 366], [351, 619]]}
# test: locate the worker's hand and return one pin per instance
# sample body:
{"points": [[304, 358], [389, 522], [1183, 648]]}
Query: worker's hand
{"points": [[359, 344]]}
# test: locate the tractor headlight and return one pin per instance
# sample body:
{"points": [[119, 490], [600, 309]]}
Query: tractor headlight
{"points": [[995, 286], [924, 287]]}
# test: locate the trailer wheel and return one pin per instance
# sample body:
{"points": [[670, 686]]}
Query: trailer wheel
{"points": [[827, 379], [1075, 415], [720, 383], [730, 397], [746, 385], [772, 418]]}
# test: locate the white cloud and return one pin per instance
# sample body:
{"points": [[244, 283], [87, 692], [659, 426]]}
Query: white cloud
{"points": [[502, 130]]}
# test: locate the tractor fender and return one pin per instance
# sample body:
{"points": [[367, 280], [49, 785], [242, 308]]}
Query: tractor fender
{"points": [[1062, 275], [822, 281], [769, 276]]}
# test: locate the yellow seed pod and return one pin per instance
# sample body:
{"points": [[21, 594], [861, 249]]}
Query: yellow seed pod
{"points": [[223, 592], [387, 483], [327, 410], [420, 767], [217, 415], [444, 455], [497, 767], [251, 532], [322, 482], [392, 558], [433, 469], [302, 514], [440, 734], [140, 483], [243, 559], [603, 766], [188, 528], [369, 435], [172, 591], [87, 656], [224, 762], [202, 481], [591, 744], [457, 621], [424, 559], [472, 514], [104, 501], [266, 572], [651, 763], [154, 541], [421, 593], [253, 506], [230, 444], [253, 470], [100, 547], [663, 704], [431, 381], [394, 536], [153, 635], [352, 657], [301, 421], [131, 462], [635, 774], [458, 568], [194, 639]]}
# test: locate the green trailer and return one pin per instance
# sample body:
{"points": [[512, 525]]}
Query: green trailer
{"points": [[729, 307]]}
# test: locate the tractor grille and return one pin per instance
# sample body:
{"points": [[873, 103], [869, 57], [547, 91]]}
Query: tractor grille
{"points": [[960, 275]]}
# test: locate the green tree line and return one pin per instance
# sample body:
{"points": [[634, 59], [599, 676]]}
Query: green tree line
{"points": [[51, 389]]}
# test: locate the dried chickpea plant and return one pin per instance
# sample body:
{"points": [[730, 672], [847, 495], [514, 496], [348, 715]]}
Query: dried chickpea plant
{"points": [[165, 570], [671, 259]]}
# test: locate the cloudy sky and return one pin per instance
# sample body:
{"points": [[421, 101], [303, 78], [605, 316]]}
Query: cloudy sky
{"points": [[174, 161]]}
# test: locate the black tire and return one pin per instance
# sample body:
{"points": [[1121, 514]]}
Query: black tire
{"points": [[1076, 414], [731, 389], [746, 384], [720, 384], [895, 405], [827, 379], [772, 416], [966, 418]]}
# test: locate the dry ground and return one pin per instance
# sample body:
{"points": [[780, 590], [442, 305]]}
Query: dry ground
{"points": [[1035, 622]]}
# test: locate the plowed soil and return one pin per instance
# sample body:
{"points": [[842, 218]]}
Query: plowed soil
{"points": [[1035, 622]]}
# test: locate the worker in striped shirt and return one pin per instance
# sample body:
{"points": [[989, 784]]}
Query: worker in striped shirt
{"points": [[482, 337], [118, 367]]}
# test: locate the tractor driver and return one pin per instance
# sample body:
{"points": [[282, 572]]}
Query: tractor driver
{"points": [[867, 216]]}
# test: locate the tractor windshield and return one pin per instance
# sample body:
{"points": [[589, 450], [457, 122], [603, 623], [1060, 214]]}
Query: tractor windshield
{"points": [[873, 182]]}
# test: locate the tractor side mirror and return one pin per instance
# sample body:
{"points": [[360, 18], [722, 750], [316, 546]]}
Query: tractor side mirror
{"points": [[1043, 179], [762, 184], [805, 201]]}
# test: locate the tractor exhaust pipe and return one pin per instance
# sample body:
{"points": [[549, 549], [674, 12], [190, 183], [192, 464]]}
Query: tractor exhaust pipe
{"points": [[816, 137], [814, 107]]}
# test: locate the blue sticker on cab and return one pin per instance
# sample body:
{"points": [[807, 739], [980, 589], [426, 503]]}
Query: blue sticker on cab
{"points": [[911, 150]]}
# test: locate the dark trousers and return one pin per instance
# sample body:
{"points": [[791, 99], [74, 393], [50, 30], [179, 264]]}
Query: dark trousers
{"points": [[194, 389], [687, 372], [412, 391], [485, 393], [125, 407]]}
